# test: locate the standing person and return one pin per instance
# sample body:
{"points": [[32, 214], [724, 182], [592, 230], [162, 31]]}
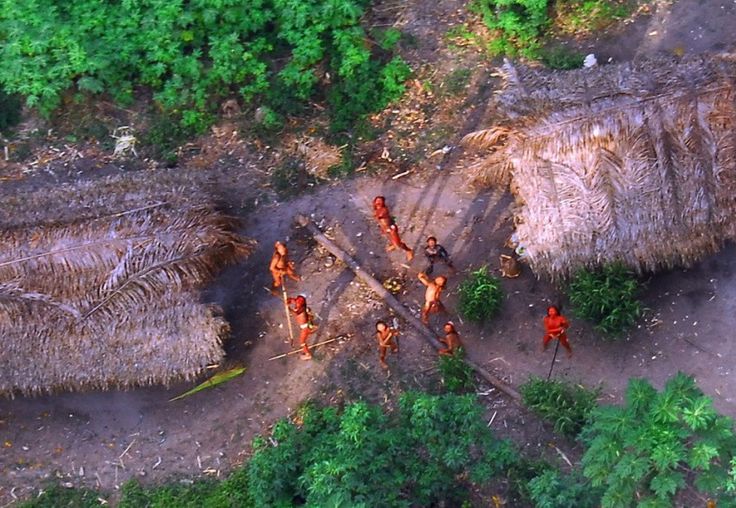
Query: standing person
{"points": [[435, 252], [432, 295], [555, 327], [280, 266], [385, 337], [299, 307], [388, 226], [451, 340]]}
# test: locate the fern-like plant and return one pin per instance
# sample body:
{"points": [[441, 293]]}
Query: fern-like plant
{"points": [[607, 297], [457, 375], [658, 444], [480, 296], [566, 405]]}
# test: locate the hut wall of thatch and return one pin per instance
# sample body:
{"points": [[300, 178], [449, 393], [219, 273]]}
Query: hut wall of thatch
{"points": [[633, 163], [99, 285]]}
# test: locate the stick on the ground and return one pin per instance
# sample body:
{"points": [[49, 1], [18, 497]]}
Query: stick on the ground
{"points": [[312, 347], [392, 302]]}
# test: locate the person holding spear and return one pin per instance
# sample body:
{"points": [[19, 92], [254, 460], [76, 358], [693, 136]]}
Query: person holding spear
{"points": [[555, 327], [303, 318], [281, 266]]}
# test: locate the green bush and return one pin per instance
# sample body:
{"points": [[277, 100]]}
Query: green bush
{"points": [[519, 24], [9, 110], [561, 58], [229, 493], [658, 444], [565, 405], [587, 16], [57, 496], [432, 449], [480, 296], [551, 490], [607, 297], [194, 54], [456, 375]]}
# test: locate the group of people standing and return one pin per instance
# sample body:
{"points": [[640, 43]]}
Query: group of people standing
{"points": [[281, 266]]}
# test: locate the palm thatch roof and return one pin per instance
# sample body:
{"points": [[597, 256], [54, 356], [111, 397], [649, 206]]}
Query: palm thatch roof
{"points": [[634, 163], [99, 284]]}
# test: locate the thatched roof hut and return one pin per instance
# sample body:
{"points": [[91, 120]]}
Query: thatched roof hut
{"points": [[633, 163], [99, 284]]}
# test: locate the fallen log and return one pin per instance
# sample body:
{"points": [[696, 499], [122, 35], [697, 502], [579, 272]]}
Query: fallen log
{"points": [[392, 302]]}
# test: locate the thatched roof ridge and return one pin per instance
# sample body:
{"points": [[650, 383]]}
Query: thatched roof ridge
{"points": [[104, 293], [633, 163]]}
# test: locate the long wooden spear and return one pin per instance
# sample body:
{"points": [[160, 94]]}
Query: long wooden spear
{"points": [[392, 302], [286, 309], [311, 347]]}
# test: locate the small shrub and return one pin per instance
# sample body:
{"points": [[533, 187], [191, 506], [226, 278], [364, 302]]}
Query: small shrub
{"points": [[57, 496], [606, 297], [659, 444], [551, 490], [588, 16], [231, 492], [457, 375], [561, 58], [519, 24], [565, 405], [480, 296]]}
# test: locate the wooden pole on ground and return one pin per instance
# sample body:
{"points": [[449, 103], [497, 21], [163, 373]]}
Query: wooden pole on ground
{"points": [[311, 347], [286, 308], [392, 302]]}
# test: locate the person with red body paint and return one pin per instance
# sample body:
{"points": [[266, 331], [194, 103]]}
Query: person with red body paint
{"points": [[389, 227], [298, 306], [555, 327]]}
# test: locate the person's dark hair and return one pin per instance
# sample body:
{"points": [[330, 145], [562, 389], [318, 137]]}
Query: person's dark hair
{"points": [[431, 238], [381, 323], [556, 307]]}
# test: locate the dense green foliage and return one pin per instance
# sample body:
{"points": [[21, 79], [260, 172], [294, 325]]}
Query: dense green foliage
{"points": [[607, 297], [229, 493], [566, 405], [520, 27], [61, 497], [480, 296], [655, 444], [193, 54], [9, 110], [519, 24], [456, 375], [430, 450], [551, 490]]}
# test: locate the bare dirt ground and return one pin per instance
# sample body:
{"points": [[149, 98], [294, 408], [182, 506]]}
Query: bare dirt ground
{"points": [[102, 439]]}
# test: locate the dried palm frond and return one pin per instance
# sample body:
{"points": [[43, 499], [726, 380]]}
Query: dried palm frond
{"points": [[103, 291], [634, 163], [487, 138]]}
